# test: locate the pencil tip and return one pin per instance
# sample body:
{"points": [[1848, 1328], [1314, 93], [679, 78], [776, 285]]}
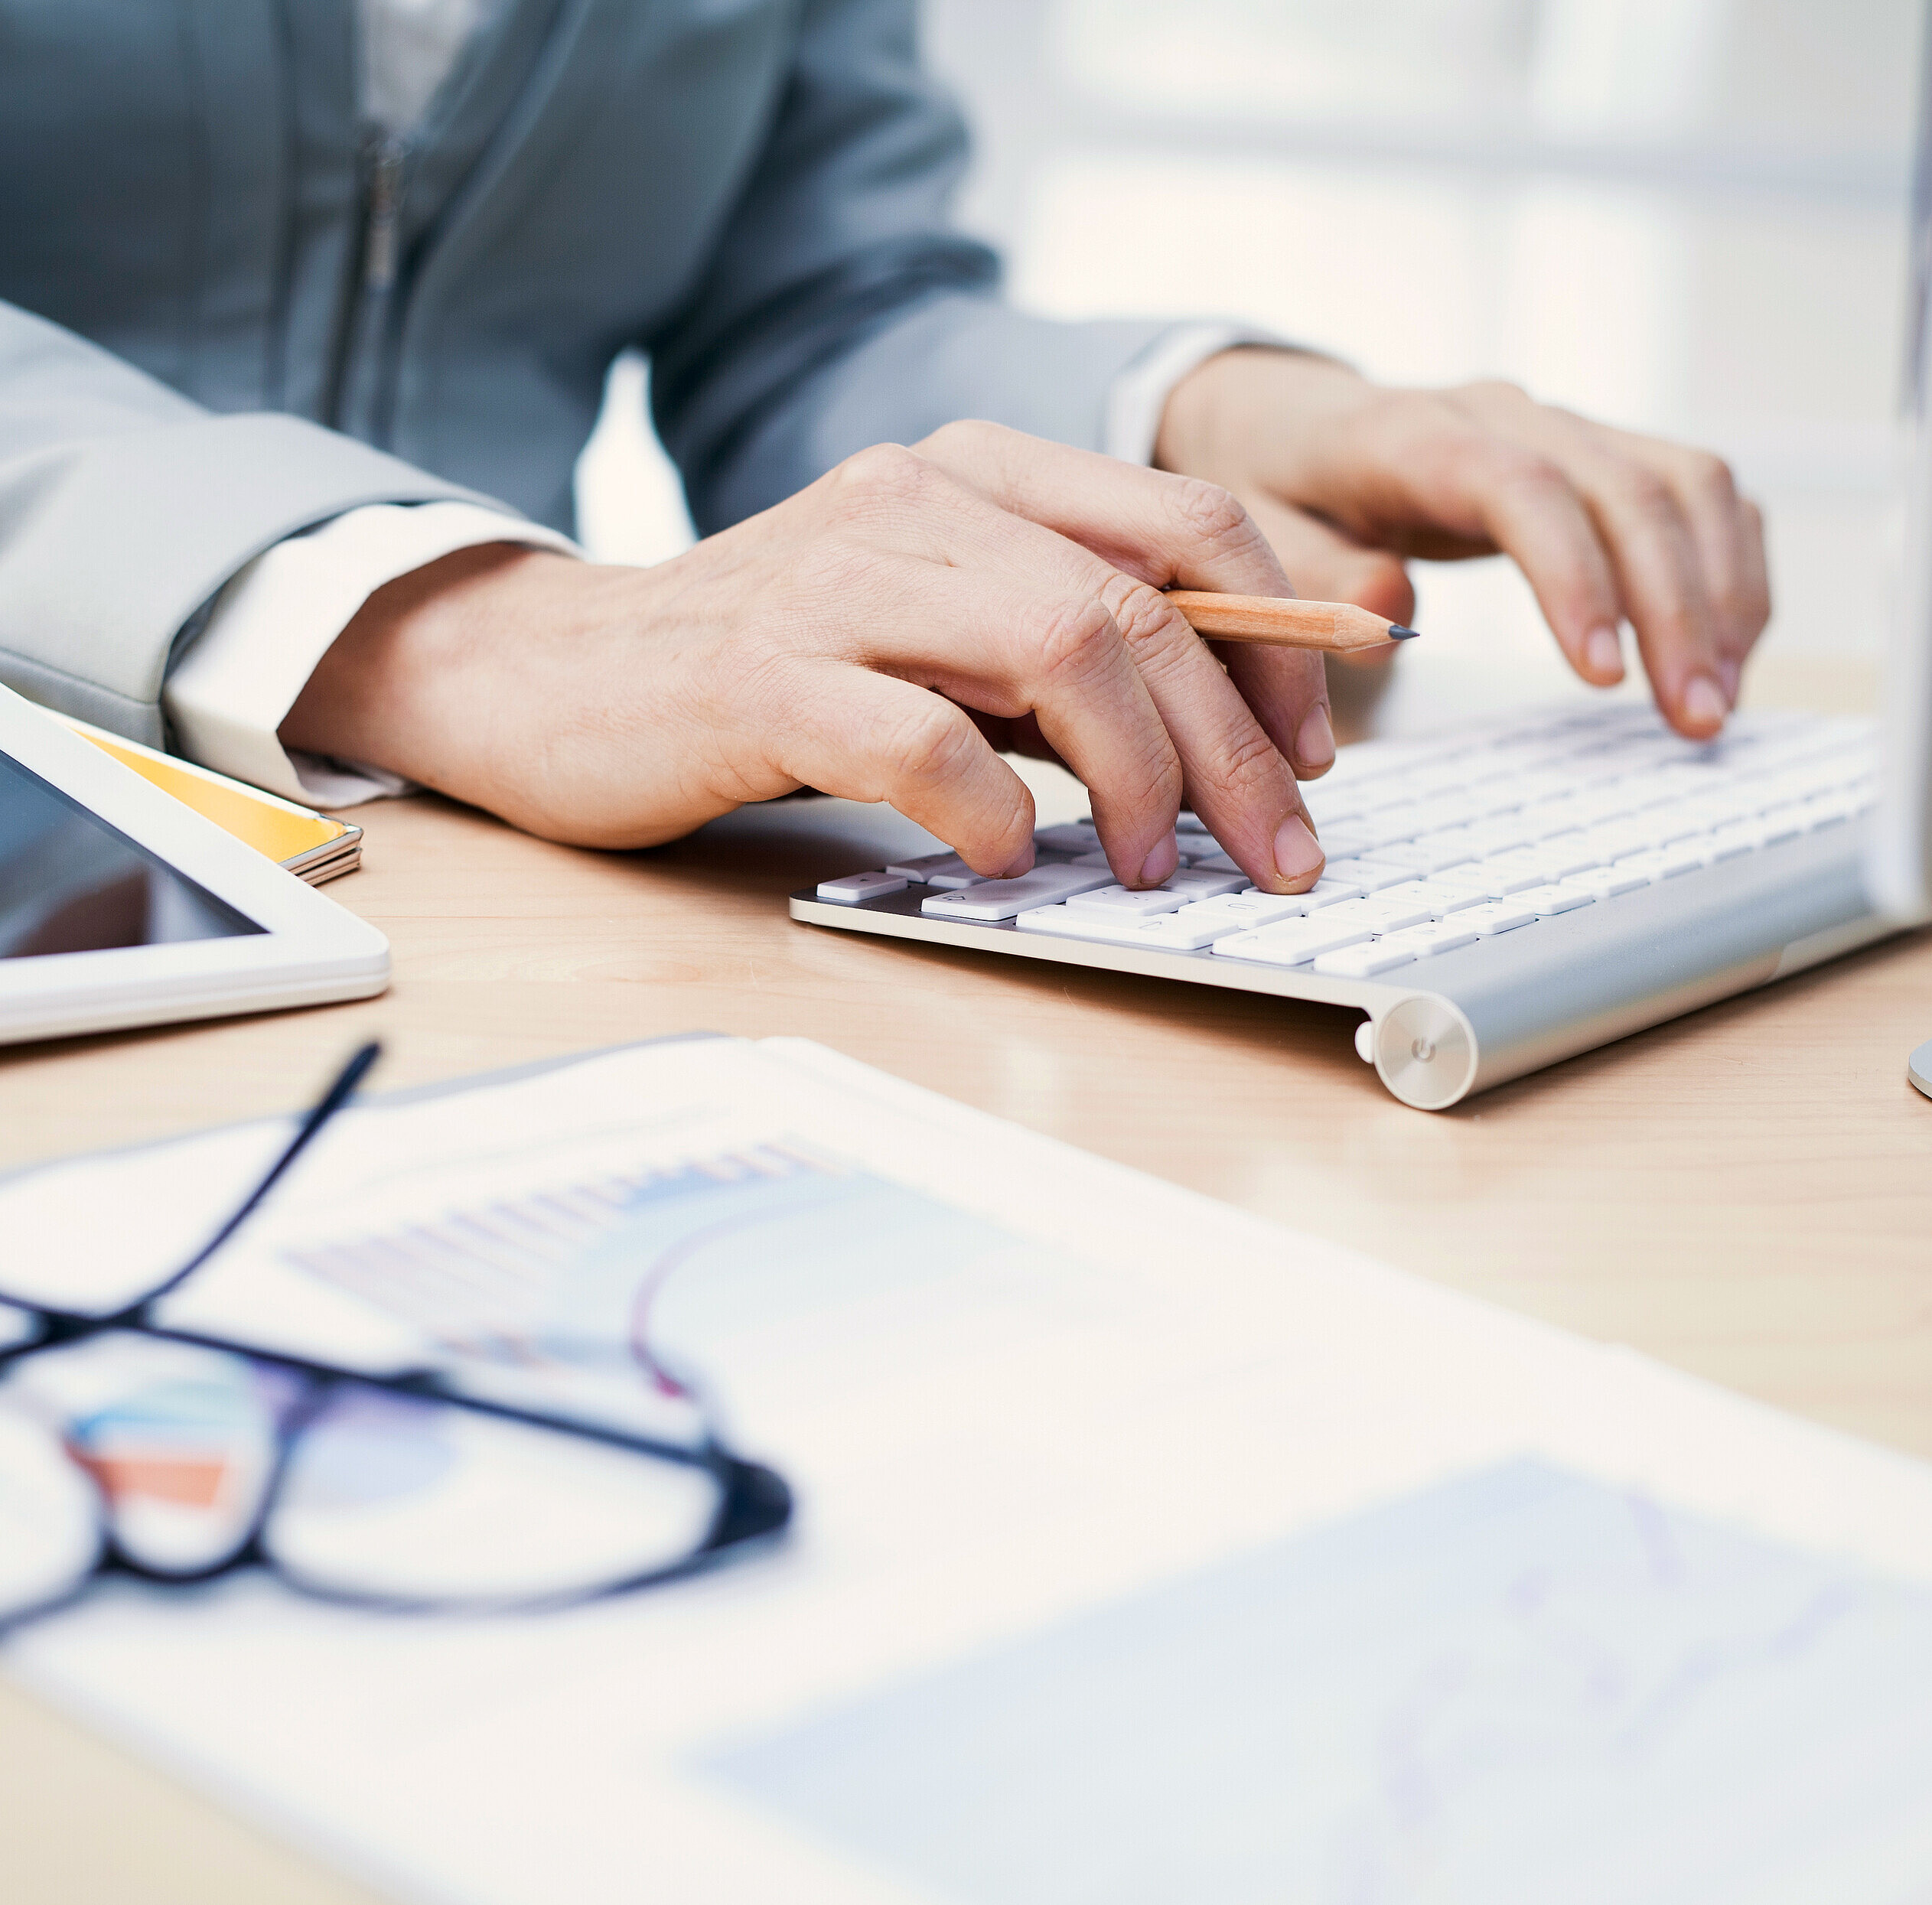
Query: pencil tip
{"points": [[1398, 633]]}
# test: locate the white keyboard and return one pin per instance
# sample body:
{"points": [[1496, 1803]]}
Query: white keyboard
{"points": [[1450, 858]]}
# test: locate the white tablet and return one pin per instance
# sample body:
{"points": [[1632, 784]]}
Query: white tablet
{"points": [[119, 906]]}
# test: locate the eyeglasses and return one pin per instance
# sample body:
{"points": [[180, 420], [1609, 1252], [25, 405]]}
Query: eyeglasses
{"points": [[174, 1455]]}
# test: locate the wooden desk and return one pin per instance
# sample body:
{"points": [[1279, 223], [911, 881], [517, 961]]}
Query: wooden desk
{"points": [[1746, 1193]]}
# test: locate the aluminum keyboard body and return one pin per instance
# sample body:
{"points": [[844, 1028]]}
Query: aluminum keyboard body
{"points": [[1503, 899]]}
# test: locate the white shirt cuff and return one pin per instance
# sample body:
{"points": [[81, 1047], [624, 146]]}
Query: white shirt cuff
{"points": [[274, 620], [1138, 396]]}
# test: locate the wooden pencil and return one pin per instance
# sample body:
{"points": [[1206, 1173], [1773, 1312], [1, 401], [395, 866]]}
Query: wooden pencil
{"points": [[1285, 621]]}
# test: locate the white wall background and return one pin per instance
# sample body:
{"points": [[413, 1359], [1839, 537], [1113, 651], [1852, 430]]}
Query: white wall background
{"points": [[1686, 215]]}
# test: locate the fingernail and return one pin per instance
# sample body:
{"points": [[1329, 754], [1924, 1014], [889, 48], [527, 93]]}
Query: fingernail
{"points": [[1297, 854], [1730, 674], [1604, 653], [1315, 741], [1704, 703], [1160, 863]]}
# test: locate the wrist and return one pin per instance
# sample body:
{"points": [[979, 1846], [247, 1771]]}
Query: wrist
{"points": [[411, 684], [1219, 418]]}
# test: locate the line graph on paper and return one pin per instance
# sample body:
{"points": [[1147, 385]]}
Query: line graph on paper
{"points": [[1518, 1685]]}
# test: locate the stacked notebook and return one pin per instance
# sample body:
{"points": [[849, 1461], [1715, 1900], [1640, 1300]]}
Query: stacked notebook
{"points": [[312, 846]]}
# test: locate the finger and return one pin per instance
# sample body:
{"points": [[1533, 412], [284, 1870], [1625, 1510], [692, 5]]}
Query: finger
{"points": [[1531, 510], [1130, 533], [958, 596], [868, 737], [1727, 534], [1645, 534], [1235, 777], [1166, 530], [1442, 478], [995, 633], [1325, 565], [1662, 582]]}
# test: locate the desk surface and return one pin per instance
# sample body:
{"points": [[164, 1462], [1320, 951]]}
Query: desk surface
{"points": [[1746, 1193]]}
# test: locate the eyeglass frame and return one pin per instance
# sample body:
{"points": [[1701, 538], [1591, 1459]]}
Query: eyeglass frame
{"points": [[754, 1504]]}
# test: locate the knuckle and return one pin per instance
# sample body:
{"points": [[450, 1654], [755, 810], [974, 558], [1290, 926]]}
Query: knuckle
{"points": [[1157, 777], [1213, 515], [885, 474], [1641, 492], [1517, 467], [1077, 640], [1143, 615], [1498, 392], [1249, 760], [1711, 478], [931, 743], [966, 436]]}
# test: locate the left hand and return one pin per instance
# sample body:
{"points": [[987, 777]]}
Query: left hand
{"points": [[1345, 478]]}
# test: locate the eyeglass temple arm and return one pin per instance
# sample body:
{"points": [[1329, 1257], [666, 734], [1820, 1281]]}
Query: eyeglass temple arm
{"points": [[324, 1109]]}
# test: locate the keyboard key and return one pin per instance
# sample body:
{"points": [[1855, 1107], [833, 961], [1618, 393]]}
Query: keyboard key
{"points": [[1546, 901], [1165, 931], [1493, 881], [992, 901], [1202, 882], [1432, 853], [1364, 962], [1502, 834], [1326, 892], [1072, 836], [1607, 883], [1345, 841], [1549, 817], [1186, 823], [1378, 915], [1731, 842], [1370, 875], [935, 870], [1493, 916], [1664, 863], [1292, 942], [1402, 822], [1214, 863], [1239, 910], [1126, 903], [1567, 853], [1438, 935], [848, 889], [1438, 897], [1617, 839]]}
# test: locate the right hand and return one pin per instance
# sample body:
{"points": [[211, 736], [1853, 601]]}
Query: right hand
{"points": [[873, 636]]}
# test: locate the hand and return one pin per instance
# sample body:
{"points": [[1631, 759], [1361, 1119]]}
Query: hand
{"points": [[874, 635], [1345, 478]]}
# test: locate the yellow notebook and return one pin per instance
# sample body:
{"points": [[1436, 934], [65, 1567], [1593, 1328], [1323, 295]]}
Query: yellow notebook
{"points": [[310, 845]]}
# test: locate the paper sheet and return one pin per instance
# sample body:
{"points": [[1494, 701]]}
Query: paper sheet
{"points": [[1046, 1418]]}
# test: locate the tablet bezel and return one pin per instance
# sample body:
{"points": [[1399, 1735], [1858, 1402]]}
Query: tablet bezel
{"points": [[310, 949]]}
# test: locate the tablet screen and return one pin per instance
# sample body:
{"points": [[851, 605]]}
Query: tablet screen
{"points": [[69, 882]]}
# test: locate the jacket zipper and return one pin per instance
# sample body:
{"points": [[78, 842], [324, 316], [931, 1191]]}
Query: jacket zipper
{"points": [[377, 259], [385, 204]]}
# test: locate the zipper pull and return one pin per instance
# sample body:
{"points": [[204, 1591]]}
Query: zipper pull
{"points": [[385, 161]]}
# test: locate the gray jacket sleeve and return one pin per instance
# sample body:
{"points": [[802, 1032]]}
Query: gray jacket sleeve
{"points": [[839, 310], [124, 507]]}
